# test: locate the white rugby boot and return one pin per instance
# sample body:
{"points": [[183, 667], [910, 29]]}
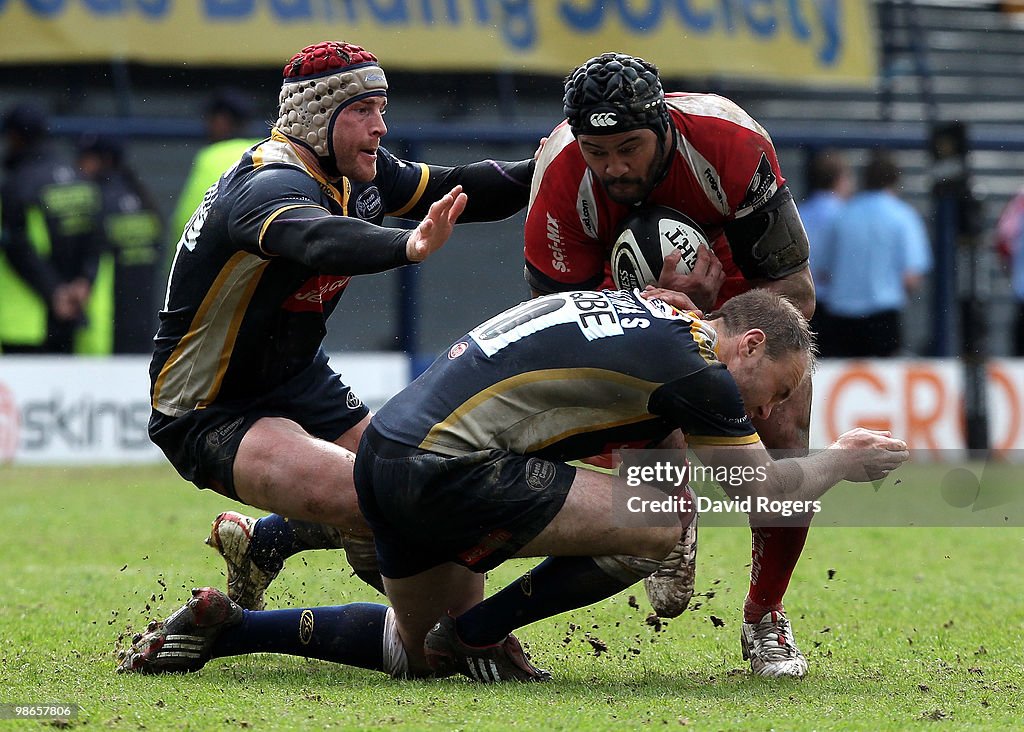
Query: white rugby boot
{"points": [[231, 537], [769, 646]]}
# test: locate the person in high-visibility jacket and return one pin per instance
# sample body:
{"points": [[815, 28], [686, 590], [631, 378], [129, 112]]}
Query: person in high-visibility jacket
{"points": [[51, 240], [127, 302], [226, 114]]}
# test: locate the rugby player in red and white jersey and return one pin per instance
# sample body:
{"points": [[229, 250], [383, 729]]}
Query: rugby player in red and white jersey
{"points": [[626, 143]]}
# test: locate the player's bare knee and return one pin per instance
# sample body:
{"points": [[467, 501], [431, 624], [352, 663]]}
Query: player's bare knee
{"points": [[332, 505], [656, 542]]}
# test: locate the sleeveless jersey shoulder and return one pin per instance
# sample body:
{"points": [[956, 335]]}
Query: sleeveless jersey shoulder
{"points": [[727, 151]]}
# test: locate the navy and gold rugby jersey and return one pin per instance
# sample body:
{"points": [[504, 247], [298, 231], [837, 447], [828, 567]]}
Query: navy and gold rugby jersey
{"points": [[236, 321], [571, 375]]}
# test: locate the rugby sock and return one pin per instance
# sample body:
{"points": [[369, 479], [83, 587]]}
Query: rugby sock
{"points": [[774, 554], [554, 586], [275, 538], [349, 634]]}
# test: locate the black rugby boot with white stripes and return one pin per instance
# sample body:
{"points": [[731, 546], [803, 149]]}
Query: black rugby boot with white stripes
{"points": [[182, 643], [504, 661]]}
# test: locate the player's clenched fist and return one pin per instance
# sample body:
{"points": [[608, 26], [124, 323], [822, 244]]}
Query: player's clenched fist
{"points": [[870, 454]]}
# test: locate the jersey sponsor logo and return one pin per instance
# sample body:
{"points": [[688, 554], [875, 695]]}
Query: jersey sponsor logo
{"points": [[603, 119], [585, 216], [625, 303], [595, 314], [190, 235], [661, 309], [352, 401], [705, 174], [556, 246], [222, 433], [763, 185], [369, 203], [586, 207], [714, 184], [457, 350], [519, 322], [315, 291], [494, 540], [539, 474]]}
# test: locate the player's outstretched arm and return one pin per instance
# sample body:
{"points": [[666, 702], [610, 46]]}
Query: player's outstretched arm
{"points": [[860, 455], [435, 228]]}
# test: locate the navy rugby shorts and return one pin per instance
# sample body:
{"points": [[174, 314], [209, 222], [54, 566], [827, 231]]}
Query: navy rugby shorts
{"points": [[476, 510], [202, 444]]}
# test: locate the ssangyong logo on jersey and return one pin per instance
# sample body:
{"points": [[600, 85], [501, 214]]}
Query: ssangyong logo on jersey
{"points": [[763, 185], [315, 291], [368, 204]]}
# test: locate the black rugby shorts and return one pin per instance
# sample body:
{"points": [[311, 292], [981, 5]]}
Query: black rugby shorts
{"points": [[476, 510], [202, 444]]}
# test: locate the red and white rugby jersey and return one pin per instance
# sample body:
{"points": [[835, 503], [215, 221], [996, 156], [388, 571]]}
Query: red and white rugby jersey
{"points": [[723, 167]]}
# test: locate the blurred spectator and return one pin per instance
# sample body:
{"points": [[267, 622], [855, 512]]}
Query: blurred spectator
{"points": [[226, 114], [873, 255], [127, 301], [51, 240], [1010, 245], [829, 183]]}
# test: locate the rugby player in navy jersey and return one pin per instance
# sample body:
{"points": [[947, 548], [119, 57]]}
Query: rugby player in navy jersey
{"points": [[244, 402], [466, 468]]}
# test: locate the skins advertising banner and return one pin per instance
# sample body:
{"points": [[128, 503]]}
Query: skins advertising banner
{"points": [[95, 411], [92, 411], [808, 41]]}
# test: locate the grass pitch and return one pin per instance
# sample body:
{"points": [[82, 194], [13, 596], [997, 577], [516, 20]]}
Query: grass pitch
{"points": [[903, 629]]}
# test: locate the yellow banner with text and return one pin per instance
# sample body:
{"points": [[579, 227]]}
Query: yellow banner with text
{"points": [[812, 41]]}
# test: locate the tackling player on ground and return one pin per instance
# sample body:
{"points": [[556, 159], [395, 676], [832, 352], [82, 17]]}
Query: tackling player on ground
{"points": [[465, 468], [626, 143]]}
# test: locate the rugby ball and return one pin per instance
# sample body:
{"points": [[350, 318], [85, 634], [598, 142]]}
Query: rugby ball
{"points": [[648, 235]]}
